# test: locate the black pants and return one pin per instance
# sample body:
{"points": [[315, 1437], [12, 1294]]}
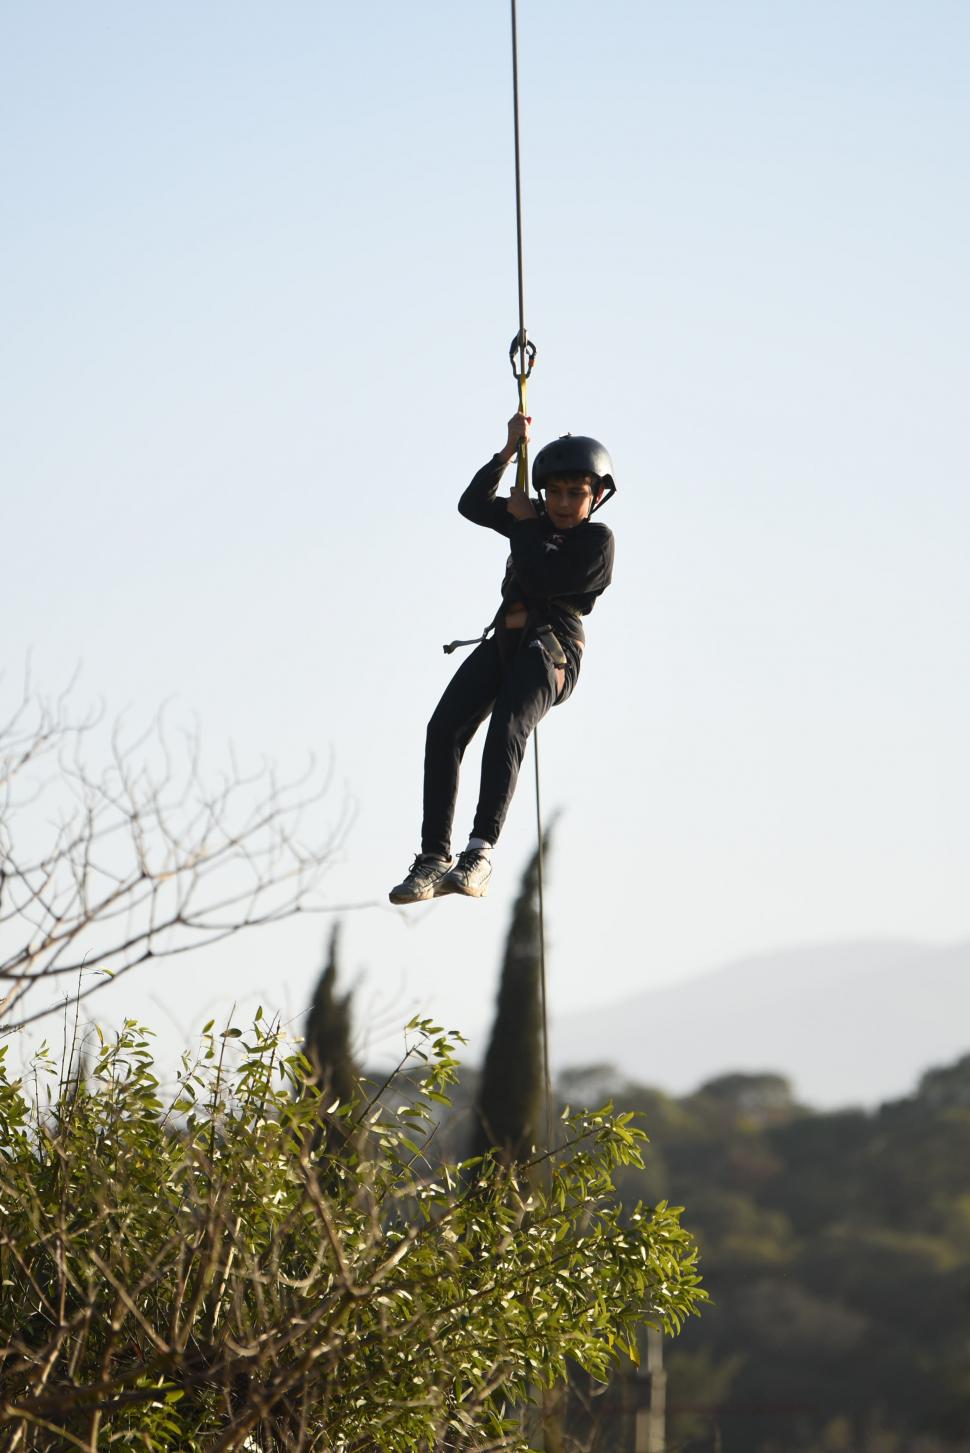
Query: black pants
{"points": [[516, 681]]}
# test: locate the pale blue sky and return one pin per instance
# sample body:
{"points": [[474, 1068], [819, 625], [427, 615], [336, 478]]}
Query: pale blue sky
{"points": [[258, 290]]}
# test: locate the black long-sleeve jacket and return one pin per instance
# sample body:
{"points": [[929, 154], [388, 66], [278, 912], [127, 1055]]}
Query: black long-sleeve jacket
{"points": [[556, 574]]}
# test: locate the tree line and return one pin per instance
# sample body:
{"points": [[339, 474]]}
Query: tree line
{"points": [[289, 1253], [835, 1246]]}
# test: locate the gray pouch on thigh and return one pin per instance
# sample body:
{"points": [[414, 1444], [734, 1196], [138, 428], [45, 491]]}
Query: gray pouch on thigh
{"points": [[551, 645]]}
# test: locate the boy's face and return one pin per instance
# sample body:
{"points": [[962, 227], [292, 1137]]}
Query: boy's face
{"points": [[569, 501]]}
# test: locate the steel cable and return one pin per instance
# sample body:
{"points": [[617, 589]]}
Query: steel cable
{"points": [[526, 354]]}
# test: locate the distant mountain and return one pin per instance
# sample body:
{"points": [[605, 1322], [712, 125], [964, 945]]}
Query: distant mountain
{"points": [[848, 1024]]}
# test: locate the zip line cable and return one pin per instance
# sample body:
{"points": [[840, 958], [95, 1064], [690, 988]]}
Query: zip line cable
{"points": [[518, 192], [526, 358]]}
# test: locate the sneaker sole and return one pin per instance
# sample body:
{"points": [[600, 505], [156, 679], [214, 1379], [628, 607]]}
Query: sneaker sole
{"points": [[442, 890], [402, 899]]}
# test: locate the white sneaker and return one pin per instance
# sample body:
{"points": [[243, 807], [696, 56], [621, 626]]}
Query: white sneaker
{"points": [[424, 873], [470, 875]]}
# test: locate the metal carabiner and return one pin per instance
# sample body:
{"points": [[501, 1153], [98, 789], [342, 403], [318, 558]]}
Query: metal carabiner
{"points": [[526, 350]]}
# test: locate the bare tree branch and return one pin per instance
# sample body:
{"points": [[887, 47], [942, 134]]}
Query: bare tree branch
{"points": [[109, 861]]}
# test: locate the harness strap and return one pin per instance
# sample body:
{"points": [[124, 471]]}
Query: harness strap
{"points": [[562, 605], [522, 462], [475, 640]]}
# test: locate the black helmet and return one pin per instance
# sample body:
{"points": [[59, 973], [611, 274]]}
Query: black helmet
{"points": [[574, 454]]}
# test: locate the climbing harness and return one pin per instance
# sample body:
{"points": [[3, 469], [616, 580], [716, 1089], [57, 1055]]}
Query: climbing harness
{"points": [[528, 617]]}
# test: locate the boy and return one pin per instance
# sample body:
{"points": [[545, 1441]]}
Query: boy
{"points": [[528, 659]]}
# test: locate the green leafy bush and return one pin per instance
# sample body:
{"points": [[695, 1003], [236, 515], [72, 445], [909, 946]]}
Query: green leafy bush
{"points": [[199, 1271]]}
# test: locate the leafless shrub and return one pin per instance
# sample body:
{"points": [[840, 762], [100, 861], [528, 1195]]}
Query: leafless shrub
{"points": [[118, 847]]}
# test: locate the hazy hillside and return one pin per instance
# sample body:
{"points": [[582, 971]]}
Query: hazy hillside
{"points": [[852, 1023]]}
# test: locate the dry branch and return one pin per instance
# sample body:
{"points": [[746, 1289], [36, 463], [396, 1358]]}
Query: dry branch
{"points": [[113, 857]]}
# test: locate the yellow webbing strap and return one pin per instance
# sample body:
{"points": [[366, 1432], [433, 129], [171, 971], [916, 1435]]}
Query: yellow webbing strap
{"points": [[522, 466]]}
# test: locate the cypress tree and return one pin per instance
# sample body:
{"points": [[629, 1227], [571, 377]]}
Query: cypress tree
{"points": [[510, 1107], [326, 1041], [510, 1098]]}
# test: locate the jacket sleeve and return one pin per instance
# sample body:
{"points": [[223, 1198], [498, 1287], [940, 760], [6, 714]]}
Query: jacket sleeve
{"points": [[570, 562], [478, 503]]}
